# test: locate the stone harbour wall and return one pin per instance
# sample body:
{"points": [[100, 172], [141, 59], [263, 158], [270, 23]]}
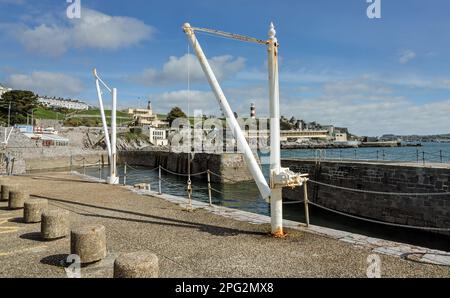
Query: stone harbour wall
{"points": [[229, 165], [427, 211]]}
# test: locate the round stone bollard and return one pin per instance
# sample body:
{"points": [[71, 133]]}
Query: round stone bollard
{"points": [[3, 181], [89, 243], [6, 189], [136, 265], [17, 199], [54, 224], [33, 209]]}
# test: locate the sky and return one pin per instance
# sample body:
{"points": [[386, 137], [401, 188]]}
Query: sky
{"points": [[337, 66]]}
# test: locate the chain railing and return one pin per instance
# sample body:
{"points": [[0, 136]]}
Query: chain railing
{"points": [[383, 155], [131, 172]]}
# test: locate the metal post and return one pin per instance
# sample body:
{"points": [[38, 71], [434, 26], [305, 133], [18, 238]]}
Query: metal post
{"points": [[189, 191], [384, 155], [102, 111], [440, 153], [355, 154], [377, 155], [99, 169], [423, 157], [306, 201], [113, 169], [209, 188], [417, 151], [276, 199], [189, 188], [125, 174], [159, 180]]}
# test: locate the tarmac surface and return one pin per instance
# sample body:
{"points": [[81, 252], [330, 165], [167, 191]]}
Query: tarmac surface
{"points": [[188, 244]]}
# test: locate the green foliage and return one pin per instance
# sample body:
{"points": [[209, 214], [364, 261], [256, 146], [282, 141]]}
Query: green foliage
{"points": [[44, 113], [175, 113], [133, 135], [22, 103], [285, 124]]}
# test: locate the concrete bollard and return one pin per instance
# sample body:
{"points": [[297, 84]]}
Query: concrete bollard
{"points": [[6, 189], [88, 242], [3, 181], [141, 264], [17, 199], [54, 224], [33, 210]]}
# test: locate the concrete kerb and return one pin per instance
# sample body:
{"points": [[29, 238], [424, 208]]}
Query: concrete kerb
{"points": [[376, 245]]}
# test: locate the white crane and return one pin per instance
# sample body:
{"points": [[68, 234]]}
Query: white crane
{"points": [[110, 144], [279, 177]]}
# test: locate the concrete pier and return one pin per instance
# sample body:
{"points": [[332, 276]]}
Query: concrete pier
{"points": [[204, 243]]}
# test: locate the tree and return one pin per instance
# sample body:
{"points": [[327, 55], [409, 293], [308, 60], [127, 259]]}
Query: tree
{"points": [[175, 113], [22, 103]]}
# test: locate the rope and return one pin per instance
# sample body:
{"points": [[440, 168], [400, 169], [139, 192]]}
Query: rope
{"points": [[142, 170], [171, 183], [218, 191], [219, 176], [184, 175], [293, 202], [377, 221], [380, 192]]}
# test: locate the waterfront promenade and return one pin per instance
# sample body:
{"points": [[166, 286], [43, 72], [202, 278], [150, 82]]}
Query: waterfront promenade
{"points": [[188, 244]]}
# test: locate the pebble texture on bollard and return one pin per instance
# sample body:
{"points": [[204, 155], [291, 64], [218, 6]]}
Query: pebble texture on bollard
{"points": [[89, 242], [141, 264], [33, 210], [6, 189], [17, 199], [54, 224], [3, 181]]}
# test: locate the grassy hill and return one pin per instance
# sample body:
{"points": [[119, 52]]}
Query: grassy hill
{"points": [[76, 118], [43, 113]]}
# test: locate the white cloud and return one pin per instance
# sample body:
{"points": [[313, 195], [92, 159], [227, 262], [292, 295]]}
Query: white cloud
{"points": [[46, 83], [45, 39], [406, 56], [192, 100], [93, 30], [98, 30], [175, 71]]}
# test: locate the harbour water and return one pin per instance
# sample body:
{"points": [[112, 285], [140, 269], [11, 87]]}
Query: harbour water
{"points": [[430, 152], [245, 196]]}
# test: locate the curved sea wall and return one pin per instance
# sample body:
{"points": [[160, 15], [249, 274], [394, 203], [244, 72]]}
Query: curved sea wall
{"points": [[414, 210]]}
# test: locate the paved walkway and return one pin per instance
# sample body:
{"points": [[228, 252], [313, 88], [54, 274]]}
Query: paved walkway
{"points": [[189, 244]]}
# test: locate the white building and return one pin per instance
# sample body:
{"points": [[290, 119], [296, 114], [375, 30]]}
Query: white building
{"points": [[158, 136], [63, 103], [341, 137], [3, 90]]}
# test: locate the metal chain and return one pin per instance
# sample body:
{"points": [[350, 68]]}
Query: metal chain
{"points": [[380, 192], [377, 221]]}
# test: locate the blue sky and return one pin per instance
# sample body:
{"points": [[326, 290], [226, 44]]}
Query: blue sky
{"points": [[375, 76]]}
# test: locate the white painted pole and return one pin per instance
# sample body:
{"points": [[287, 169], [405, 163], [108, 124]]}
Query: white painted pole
{"points": [[237, 133], [102, 113], [113, 177], [276, 200]]}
